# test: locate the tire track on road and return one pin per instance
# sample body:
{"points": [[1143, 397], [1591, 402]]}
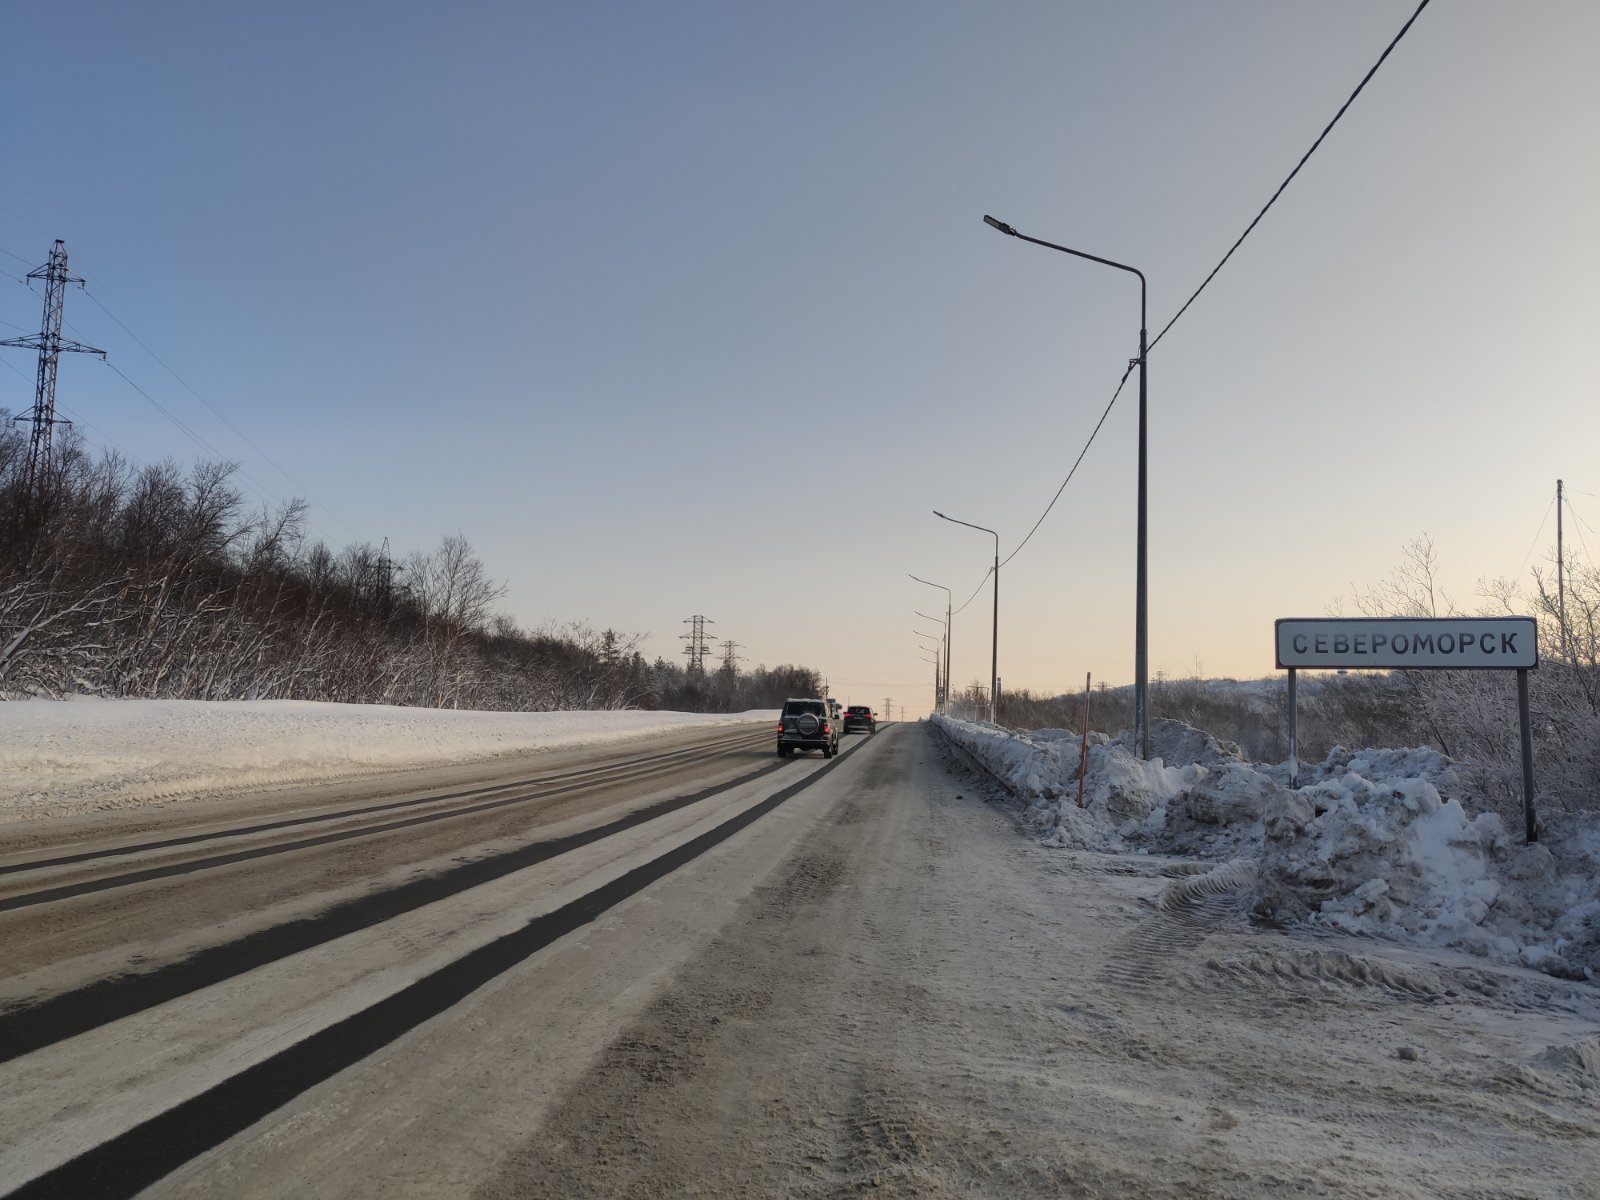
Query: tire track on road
{"points": [[191, 866], [719, 747], [126, 1164], [32, 1026]]}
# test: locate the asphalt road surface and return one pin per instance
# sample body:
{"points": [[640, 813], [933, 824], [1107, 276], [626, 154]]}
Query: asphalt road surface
{"points": [[684, 967]]}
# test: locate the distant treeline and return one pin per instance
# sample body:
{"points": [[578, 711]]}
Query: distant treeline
{"points": [[153, 581]]}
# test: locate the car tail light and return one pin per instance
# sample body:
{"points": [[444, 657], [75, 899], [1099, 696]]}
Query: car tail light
{"points": [[826, 728]]}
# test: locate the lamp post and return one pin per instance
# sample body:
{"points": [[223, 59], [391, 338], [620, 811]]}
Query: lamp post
{"points": [[936, 685], [1141, 660], [994, 649], [948, 602]]}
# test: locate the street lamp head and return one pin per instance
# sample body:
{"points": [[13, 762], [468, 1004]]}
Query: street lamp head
{"points": [[1000, 225], [937, 513]]}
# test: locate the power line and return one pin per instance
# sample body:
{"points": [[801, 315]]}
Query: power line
{"points": [[1075, 464], [976, 590], [80, 424], [1581, 525], [263, 493], [1125, 375], [244, 437], [1535, 542], [1303, 159]]}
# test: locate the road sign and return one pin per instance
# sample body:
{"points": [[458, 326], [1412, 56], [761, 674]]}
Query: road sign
{"points": [[1408, 643]]}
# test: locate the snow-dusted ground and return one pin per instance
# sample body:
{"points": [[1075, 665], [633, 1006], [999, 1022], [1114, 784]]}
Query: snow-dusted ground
{"points": [[1386, 843], [59, 757]]}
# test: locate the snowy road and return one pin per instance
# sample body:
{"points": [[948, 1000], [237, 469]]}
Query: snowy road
{"points": [[683, 967]]}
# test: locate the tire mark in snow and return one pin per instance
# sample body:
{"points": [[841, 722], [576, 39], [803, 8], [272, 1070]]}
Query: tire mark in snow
{"points": [[1187, 913]]}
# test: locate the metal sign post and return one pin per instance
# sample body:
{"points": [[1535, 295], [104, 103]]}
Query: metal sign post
{"points": [[1530, 822], [1416, 644], [1294, 751]]}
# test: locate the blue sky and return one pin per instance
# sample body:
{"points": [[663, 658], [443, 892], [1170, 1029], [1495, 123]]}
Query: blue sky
{"points": [[627, 293]]}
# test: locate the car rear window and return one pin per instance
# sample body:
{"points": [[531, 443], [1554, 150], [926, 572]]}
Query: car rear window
{"points": [[795, 707], [859, 708]]}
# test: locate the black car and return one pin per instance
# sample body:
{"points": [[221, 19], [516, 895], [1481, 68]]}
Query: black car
{"points": [[858, 717], [807, 725]]}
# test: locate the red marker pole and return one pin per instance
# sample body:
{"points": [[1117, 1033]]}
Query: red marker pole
{"points": [[1083, 748]]}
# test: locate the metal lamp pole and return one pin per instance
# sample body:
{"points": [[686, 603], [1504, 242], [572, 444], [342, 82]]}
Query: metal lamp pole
{"points": [[935, 661], [994, 649], [949, 601], [1141, 659]]}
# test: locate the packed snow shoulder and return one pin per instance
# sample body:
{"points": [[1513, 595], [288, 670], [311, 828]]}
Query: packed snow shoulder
{"points": [[1384, 843]]}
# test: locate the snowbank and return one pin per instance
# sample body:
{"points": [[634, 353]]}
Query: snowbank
{"points": [[1386, 843], [74, 756]]}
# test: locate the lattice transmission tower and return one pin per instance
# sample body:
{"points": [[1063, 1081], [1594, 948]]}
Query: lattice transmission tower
{"points": [[697, 649], [730, 656], [50, 345]]}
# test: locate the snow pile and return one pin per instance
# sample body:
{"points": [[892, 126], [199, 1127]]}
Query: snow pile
{"points": [[1377, 842], [73, 756]]}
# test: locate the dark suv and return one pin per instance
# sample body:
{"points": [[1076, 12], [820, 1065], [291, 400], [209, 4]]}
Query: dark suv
{"points": [[859, 716], [807, 725]]}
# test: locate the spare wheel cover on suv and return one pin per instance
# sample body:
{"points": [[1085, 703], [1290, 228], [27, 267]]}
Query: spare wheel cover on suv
{"points": [[807, 724]]}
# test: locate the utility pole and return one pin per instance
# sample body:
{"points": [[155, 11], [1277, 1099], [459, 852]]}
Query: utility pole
{"points": [[1561, 578], [49, 344], [696, 650], [888, 709]]}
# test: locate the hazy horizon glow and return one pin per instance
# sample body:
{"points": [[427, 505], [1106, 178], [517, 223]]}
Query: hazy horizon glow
{"points": [[619, 291]]}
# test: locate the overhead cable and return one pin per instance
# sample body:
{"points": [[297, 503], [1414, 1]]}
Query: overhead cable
{"points": [[1074, 470], [244, 437], [1304, 158], [1364, 79]]}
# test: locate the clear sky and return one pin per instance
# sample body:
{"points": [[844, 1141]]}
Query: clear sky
{"points": [[689, 308]]}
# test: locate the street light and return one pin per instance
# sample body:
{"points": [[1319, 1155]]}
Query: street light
{"points": [[994, 651], [948, 602], [935, 661], [1141, 658]]}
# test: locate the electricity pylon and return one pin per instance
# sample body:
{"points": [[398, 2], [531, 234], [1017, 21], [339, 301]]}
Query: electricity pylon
{"points": [[48, 342]]}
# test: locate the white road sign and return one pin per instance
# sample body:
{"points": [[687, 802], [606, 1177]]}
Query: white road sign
{"points": [[1387, 643]]}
